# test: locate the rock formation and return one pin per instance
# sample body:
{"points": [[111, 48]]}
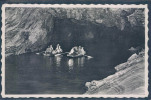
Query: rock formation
{"points": [[129, 79], [31, 29]]}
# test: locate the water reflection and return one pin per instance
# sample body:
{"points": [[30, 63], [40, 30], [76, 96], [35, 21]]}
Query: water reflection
{"points": [[70, 64], [81, 61], [49, 63], [75, 62], [58, 60]]}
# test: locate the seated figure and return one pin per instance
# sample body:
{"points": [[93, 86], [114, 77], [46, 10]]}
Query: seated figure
{"points": [[49, 49], [57, 50], [82, 51], [77, 51]]}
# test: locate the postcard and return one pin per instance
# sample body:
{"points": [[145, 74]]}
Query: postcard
{"points": [[74, 50]]}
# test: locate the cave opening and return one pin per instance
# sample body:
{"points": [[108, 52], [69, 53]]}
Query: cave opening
{"points": [[97, 39]]}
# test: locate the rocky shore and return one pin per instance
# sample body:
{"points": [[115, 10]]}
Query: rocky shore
{"points": [[129, 79]]}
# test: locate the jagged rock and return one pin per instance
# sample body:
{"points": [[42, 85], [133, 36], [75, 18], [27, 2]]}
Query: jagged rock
{"points": [[131, 61], [135, 50], [132, 49], [129, 79], [134, 56], [26, 30], [137, 18]]}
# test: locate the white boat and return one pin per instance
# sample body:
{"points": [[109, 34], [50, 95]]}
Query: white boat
{"points": [[76, 52]]}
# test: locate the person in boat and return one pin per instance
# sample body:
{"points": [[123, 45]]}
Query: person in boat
{"points": [[74, 51], [57, 50], [82, 51], [49, 50], [77, 51]]}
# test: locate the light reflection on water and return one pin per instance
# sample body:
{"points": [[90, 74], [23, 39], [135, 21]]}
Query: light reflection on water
{"points": [[70, 64], [58, 60], [75, 62], [81, 61]]}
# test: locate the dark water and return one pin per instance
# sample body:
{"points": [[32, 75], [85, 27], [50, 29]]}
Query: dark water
{"points": [[37, 74]]}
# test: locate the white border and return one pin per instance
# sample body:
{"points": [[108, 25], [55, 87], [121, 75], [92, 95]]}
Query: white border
{"points": [[73, 6]]}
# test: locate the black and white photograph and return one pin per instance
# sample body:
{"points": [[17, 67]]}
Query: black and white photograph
{"points": [[67, 50]]}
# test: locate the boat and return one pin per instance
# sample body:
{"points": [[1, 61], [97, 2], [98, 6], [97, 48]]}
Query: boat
{"points": [[51, 52], [38, 53], [56, 55], [76, 52], [47, 54], [58, 51], [74, 56], [48, 51]]}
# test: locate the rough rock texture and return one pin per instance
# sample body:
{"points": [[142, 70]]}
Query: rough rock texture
{"points": [[129, 79], [31, 29], [27, 30]]}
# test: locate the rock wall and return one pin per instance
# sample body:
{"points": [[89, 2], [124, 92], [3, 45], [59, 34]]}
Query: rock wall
{"points": [[31, 29], [129, 79]]}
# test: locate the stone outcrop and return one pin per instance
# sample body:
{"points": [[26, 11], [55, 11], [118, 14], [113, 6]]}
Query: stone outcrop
{"points": [[129, 79]]}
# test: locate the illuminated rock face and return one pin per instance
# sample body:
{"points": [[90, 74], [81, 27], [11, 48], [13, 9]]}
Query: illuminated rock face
{"points": [[31, 29], [129, 79]]}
